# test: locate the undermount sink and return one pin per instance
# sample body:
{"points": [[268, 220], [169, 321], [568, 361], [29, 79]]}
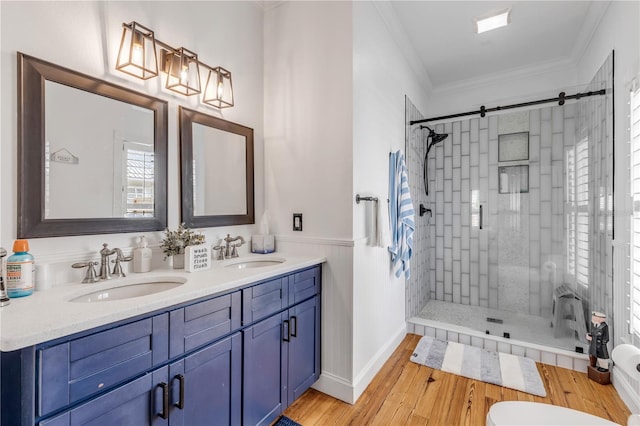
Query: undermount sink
{"points": [[254, 263], [127, 291]]}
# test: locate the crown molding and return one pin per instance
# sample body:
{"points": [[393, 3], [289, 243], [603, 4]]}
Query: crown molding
{"points": [[510, 74], [398, 34], [595, 14]]}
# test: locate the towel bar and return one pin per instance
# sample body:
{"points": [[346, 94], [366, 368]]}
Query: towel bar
{"points": [[359, 198]]}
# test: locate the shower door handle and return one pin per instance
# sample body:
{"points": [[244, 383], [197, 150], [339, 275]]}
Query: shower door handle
{"points": [[480, 216]]}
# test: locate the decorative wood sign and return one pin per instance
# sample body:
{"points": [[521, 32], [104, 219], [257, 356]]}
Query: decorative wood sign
{"points": [[197, 258], [64, 156]]}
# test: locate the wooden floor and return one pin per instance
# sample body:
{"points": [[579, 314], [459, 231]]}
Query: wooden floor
{"points": [[405, 393]]}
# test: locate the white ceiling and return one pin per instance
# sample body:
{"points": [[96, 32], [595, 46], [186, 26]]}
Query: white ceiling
{"points": [[542, 34]]}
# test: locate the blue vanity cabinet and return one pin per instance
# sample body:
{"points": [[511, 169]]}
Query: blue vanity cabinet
{"points": [[71, 371], [238, 358], [282, 352], [205, 387], [139, 402]]}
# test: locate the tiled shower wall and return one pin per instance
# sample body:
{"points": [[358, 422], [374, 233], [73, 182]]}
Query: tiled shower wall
{"points": [[417, 287], [519, 257], [529, 244]]}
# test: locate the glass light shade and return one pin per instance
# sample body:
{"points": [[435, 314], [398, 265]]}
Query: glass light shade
{"points": [[218, 92], [137, 54], [183, 73]]}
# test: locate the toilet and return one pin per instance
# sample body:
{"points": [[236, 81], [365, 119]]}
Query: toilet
{"points": [[517, 413]]}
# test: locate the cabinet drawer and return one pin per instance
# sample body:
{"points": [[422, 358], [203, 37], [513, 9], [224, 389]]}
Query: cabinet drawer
{"points": [[74, 370], [264, 299], [304, 285], [196, 325]]}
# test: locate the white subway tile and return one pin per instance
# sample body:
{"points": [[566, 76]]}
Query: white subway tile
{"points": [[456, 273], [465, 125], [545, 188], [464, 339], [564, 361], [474, 298], [465, 286], [477, 342], [464, 167], [439, 202], [545, 114], [490, 345], [533, 354], [557, 146], [448, 213], [534, 200], [504, 348], [474, 130], [464, 143], [456, 133], [456, 179], [448, 237], [456, 156], [448, 190], [465, 235], [448, 283], [455, 247], [517, 350], [558, 119], [534, 148], [493, 127], [548, 358], [456, 206], [439, 156], [464, 261], [484, 286], [580, 365], [484, 165], [484, 141], [534, 122], [439, 181], [474, 154], [493, 298]]}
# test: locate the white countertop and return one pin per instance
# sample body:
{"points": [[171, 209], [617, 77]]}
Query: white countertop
{"points": [[48, 314]]}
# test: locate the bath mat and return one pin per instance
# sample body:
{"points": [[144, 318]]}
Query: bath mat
{"points": [[501, 369], [286, 421]]}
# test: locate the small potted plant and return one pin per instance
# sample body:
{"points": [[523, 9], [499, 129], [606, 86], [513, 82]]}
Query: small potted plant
{"points": [[174, 243]]}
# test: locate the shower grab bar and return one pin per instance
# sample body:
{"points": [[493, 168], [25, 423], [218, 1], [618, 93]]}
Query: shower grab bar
{"points": [[480, 216]]}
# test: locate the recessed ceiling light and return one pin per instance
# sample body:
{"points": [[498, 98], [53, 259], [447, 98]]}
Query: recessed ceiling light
{"points": [[495, 20]]}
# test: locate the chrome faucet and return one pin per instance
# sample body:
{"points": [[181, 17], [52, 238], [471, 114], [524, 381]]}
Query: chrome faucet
{"points": [[117, 268], [231, 250], [105, 274]]}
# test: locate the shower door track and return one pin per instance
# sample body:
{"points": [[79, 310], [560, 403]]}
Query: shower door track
{"points": [[561, 98]]}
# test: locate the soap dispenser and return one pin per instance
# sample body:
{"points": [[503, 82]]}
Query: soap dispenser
{"points": [[142, 256]]}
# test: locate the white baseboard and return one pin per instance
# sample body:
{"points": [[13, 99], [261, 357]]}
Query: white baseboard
{"points": [[335, 386], [377, 361], [626, 391], [349, 392]]}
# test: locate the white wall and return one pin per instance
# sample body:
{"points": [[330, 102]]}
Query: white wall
{"points": [[85, 36], [382, 77], [619, 31], [309, 162]]}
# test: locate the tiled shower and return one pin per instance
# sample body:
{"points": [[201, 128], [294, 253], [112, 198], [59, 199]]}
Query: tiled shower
{"points": [[522, 209]]}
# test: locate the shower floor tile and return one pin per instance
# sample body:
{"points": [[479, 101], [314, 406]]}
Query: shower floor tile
{"points": [[527, 328]]}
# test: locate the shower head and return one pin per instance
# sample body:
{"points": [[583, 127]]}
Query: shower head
{"points": [[435, 137]]}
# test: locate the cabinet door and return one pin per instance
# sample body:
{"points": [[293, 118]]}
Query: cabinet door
{"points": [[304, 347], [138, 403], [206, 385], [199, 324], [304, 284], [265, 372]]}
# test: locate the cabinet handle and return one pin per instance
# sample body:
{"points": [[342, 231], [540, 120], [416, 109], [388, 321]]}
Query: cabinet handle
{"points": [[480, 216], [180, 403], [286, 331], [165, 400], [294, 326]]}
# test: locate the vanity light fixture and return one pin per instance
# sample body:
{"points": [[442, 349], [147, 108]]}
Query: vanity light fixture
{"points": [[137, 57], [495, 20], [183, 73], [218, 91]]}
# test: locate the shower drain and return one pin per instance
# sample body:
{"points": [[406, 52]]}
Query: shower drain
{"points": [[495, 320]]}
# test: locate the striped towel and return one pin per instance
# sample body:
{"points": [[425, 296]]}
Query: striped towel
{"points": [[401, 215]]}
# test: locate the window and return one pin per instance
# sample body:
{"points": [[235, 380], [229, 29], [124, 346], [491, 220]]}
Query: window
{"points": [[577, 219], [139, 181], [634, 130]]}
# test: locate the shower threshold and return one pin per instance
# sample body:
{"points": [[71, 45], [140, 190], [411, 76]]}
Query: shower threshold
{"points": [[530, 335]]}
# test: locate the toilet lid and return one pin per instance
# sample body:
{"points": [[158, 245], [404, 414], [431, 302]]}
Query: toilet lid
{"points": [[535, 413]]}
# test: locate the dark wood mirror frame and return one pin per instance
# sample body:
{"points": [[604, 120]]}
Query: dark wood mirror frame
{"points": [[187, 118], [32, 75]]}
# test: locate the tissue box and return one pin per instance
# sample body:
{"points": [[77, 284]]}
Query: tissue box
{"points": [[263, 244]]}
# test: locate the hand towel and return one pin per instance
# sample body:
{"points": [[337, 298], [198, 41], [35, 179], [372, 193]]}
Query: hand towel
{"points": [[401, 215]]}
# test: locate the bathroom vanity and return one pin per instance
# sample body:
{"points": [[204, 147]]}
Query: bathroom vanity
{"points": [[229, 346]]}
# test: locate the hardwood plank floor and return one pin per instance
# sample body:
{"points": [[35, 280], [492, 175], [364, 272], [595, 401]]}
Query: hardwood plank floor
{"points": [[405, 393]]}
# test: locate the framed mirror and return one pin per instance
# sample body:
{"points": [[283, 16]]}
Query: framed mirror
{"points": [[92, 156], [217, 171]]}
